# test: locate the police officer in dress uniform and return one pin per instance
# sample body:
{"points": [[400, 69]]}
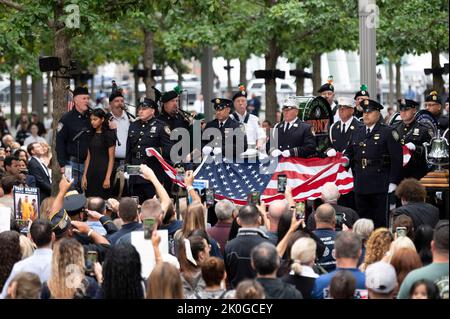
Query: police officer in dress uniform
{"points": [[72, 138], [341, 133], [361, 95], [433, 103], [412, 134], [376, 161], [255, 134], [143, 133], [228, 127], [327, 92], [293, 137]]}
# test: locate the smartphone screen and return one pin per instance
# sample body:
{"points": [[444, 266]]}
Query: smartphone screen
{"points": [[282, 181], [68, 172], [149, 224], [209, 196], [92, 256], [300, 210], [253, 198], [133, 169]]}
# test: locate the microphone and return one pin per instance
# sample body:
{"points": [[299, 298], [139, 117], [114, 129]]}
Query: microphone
{"points": [[83, 130]]}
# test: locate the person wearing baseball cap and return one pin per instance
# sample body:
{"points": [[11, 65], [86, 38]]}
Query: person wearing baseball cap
{"points": [[293, 136], [381, 280]]}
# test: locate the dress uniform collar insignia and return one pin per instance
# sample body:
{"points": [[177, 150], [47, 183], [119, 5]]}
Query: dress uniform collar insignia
{"points": [[376, 136], [167, 129], [352, 127], [416, 131], [338, 126], [295, 125]]}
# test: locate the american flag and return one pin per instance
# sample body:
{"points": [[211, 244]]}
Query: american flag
{"points": [[406, 155], [234, 181]]}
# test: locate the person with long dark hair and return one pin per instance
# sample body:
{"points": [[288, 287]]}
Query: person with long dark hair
{"points": [[122, 274], [9, 254], [100, 158]]}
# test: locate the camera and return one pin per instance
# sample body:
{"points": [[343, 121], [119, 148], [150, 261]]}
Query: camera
{"points": [[300, 210], [149, 225], [209, 196], [401, 231], [91, 259]]}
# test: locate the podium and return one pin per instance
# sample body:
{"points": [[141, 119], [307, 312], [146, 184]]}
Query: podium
{"points": [[437, 181]]}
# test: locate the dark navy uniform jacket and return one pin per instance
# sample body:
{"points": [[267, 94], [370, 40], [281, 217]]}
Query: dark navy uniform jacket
{"points": [[142, 135], [230, 127], [339, 140], [376, 159], [70, 124], [417, 134], [173, 121], [298, 139]]}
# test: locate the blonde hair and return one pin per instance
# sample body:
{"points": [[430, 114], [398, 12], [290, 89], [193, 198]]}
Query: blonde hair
{"points": [[194, 219], [377, 245], [302, 252], [399, 243], [165, 282], [46, 207], [26, 246], [67, 276]]}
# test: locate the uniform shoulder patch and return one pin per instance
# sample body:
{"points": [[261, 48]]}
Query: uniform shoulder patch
{"points": [[395, 135], [60, 126]]}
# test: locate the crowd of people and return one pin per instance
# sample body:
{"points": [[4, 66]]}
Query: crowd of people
{"points": [[346, 247]]}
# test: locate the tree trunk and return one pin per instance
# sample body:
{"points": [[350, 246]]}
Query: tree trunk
{"points": [[12, 99], [61, 43], [300, 82], [271, 89], [179, 77], [229, 88], [37, 96], [136, 86], [24, 92], [243, 72], [391, 84], [438, 80], [317, 79], [148, 63], [163, 78], [49, 95], [398, 83]]}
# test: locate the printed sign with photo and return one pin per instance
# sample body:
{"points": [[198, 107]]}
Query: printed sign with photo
{"points": [[26, 205]]}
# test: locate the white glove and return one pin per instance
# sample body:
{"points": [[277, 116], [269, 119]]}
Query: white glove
{"points": [[207, 150], [126, 176], [331, 152], [392, 187], [217, 151], [286, 153], [276, 153], [411, 146]]}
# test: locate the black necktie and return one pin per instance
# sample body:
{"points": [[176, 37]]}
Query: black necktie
{"points": [[286, 125], [220, 125], [343, 128], [368, 131]]}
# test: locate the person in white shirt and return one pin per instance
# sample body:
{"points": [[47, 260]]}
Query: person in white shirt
{"points": [[256, 136], [40, 262], [198, 106], [119, 120], [34, 137]]}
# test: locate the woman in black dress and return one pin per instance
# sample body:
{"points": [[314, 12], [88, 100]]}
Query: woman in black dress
{"points": [[100, 158]]}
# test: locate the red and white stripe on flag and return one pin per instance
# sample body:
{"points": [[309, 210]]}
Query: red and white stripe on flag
{"points": [[406, 155]]}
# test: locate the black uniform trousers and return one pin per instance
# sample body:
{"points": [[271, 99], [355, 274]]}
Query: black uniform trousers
{"points": [[374, 207]]}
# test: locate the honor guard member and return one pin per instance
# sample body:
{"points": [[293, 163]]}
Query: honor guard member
{"points": [[327, 92], [361, 95], [433, 104], [72, 138], [169, 110], [413, 134], [256, 136], [143, 133], [376, 161], [341, 131], [227, 127], [293, 137], [119, 120]]}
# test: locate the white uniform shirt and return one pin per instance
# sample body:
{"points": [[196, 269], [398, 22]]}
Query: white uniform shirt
{"points": [[123, 123], [253, 130]]}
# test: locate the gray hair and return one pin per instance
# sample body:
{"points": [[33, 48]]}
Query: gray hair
{"points": [[278, 208], [265, 258], [347, 245], [224, 209], [363, 227], [330, 192]]}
